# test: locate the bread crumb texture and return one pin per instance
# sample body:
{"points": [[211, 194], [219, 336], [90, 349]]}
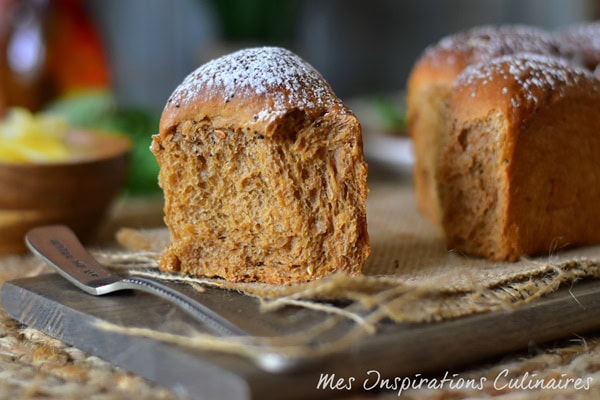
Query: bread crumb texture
{"points": [[263, 173]]}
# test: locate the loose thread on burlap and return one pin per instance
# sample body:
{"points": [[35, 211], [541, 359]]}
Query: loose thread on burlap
{"points": [[400, 301], [294, 346], [372, 300]]}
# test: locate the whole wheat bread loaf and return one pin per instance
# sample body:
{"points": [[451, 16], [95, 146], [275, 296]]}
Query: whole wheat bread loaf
{"points": [[262, 171], [519, 173]]}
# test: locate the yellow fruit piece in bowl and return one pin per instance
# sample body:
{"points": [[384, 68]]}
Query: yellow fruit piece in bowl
{"points": [[25, 137]]}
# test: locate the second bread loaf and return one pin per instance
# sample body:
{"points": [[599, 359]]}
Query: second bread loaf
{"points": [[429, 88], [520, 172]]}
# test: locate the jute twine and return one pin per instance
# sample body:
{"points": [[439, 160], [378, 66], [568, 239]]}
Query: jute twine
{"points": [[410, 277]]}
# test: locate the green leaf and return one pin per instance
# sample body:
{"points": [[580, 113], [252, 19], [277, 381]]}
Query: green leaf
{"points": [[99, 110]]}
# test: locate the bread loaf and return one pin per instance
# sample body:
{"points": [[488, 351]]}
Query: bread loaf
{"points": [[584, 39], [262, 171], [429, 85], [520, 169]]}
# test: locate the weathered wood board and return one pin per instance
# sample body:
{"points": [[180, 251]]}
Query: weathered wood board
{"points": [[53, 306]]}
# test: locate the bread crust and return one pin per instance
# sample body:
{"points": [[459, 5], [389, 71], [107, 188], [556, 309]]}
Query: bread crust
{"points": [[584, 40], [263, 172], [519, 174], [242, 89], [429, 85]]}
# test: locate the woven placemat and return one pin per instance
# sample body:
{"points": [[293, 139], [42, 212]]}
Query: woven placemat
{"points": [[410, 276]]}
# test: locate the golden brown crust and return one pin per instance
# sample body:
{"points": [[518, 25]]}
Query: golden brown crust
{"points": [[519, 172], [252, 87], [263, 173], [429, 85], [518, 86]]}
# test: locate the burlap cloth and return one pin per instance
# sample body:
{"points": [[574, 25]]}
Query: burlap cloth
{"points": [[410, 276]]}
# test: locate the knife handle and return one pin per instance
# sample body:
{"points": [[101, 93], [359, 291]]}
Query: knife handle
{"points": [[61, 249]]}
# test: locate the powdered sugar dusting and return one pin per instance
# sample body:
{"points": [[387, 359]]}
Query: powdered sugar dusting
{"points": [[535, 74], [264, 71], [588, 33], [487, 42], [585, 39]]}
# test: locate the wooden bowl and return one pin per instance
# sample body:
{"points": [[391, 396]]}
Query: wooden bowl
{"points": [[77, 192]]}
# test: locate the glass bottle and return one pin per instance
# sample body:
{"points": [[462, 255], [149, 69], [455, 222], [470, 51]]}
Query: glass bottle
{"points": [[48, 48]]}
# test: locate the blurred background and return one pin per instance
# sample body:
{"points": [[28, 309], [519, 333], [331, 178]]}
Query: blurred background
{"points": [[113, 63], [359, 46]]}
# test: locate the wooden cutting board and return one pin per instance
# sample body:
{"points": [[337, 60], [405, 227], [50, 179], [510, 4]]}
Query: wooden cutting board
{"points": [[53, 306]]}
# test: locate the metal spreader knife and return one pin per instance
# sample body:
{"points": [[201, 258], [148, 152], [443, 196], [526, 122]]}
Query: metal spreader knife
{"points": [[60, 248]]}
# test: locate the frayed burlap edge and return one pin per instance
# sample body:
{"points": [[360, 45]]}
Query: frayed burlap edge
{"points": [[369, 299], [389, 296]]}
